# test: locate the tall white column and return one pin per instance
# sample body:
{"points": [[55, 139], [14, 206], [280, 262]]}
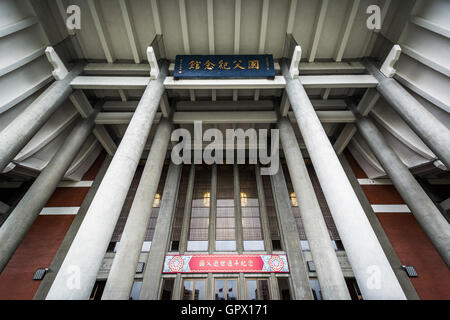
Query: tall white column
{"points": [[19, 132], [155, 261], [301, 289], [329, 273], [372, 270], [424, 210], [123, 270], [27, 210], [432, 131], [78, 272]]}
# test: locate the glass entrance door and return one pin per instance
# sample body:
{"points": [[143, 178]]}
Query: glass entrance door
{"points": [[258, 289], [193, 289], [226, 289]]}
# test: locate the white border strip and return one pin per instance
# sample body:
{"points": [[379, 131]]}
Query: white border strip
{"points": [[365, 182], [50, 211], [390, 208], [75, 184]]}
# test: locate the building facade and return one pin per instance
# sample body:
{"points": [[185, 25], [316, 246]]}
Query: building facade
{"points": [[95, 204]]}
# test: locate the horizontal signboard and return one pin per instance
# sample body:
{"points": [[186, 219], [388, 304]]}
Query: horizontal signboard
{"points": [[224, 66], [221, 263]]}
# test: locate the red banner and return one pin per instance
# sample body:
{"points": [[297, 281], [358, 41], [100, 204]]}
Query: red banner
{"points": [[221, 263]]}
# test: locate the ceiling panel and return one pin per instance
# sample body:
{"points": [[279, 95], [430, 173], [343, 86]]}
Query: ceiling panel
{"points": [[196, 37]]}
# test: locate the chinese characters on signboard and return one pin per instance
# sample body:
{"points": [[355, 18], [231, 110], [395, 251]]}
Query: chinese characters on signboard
{"points": [[224, 66], [225, 263]]}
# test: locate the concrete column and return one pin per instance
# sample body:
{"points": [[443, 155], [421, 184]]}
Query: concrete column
{"points": [[372, 270], [301, 289], [242, 284], [210, 294], [329, 273], [58, 259], [274, 289], [177, 287], [432, 131], [262, 210], [161, 237], [78, 272], [123, 269], [212, 211], [424, 210], [19, 132], [27, 210], [237, 211], [389, 251], [184, 236]]}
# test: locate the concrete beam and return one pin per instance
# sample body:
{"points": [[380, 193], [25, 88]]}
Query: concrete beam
{"points": [[368, 101], [117, 69], [344, 138], [431, 26], [318, 30], [331, 116], [110, 82], [276, 83], [366, 104], [224, 117], [99, 23], [351, 67], [260, 105], [339, 81], [105, 139], [308, 81], [81, 103], [120, 117], [84, 107], [18, 26]]}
